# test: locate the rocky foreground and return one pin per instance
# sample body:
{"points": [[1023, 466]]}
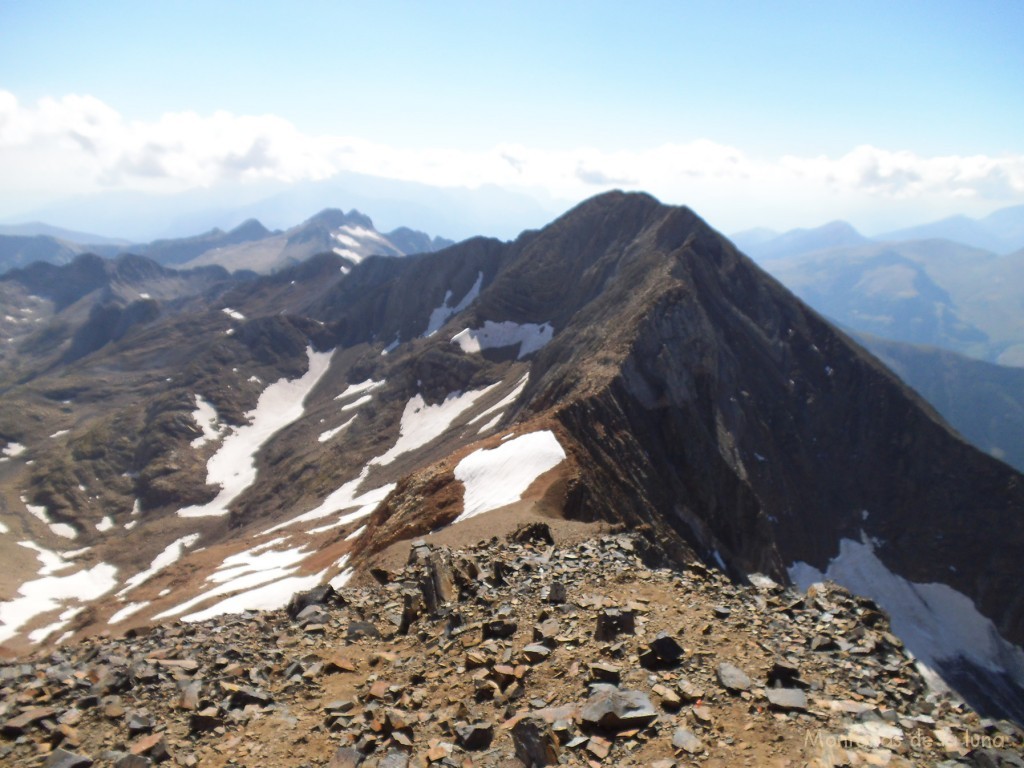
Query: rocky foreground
{"points": [[511, 653]]}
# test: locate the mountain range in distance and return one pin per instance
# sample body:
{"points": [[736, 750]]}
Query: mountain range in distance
{"points": [[178, 443]]}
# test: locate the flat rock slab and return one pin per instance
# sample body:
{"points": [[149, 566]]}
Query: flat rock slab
{"points": [[787, 699], [733, 678], [613, 709], [687, 740]]}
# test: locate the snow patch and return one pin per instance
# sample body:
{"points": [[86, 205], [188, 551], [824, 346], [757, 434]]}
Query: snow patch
{"points": [[529, 336], [255, 580], [330, 433], [105, 524], [342, 578], [38, 635], [935, 621], [499, 476], [59, 433], [127, 611], [348, 253], [442, 314], [422, 423], [392, 346], [206, 419], [357, 389], [4, 528], [361, 233], [233, 466], [50, 592], [344, 498], [344, 239], [501, 405], [171, 554], [13, 450], [233, 313], [356, 403]]}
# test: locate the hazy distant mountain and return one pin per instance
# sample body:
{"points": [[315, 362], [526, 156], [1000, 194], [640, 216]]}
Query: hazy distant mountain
{"points": [[33, 228], [350, 235], [933, 292], [1001, 231], [982, 401], [181, 250], [249, 246], [458, 212], [750, 239], [759, 245]]}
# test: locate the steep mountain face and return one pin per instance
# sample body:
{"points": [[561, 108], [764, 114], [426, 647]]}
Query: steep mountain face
{"points": [[625, 363]]}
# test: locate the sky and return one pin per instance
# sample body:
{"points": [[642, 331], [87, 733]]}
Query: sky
{"points": [[778, 114]]}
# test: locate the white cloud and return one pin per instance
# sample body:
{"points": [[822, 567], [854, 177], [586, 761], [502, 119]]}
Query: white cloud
{"points": [[78, 144]]}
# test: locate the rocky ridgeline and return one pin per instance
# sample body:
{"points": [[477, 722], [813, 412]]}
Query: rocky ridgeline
{"points": [[509, 653]]}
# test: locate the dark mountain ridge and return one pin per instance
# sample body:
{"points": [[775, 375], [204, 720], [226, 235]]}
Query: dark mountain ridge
{"points": [[695, 400]]}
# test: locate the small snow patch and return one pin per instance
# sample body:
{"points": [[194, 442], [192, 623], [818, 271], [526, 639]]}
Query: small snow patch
{"points": [[499, 476], [171, 554], [13, 450], [233, 313], [323, 437], [442, 314], [530, 337], [356, 389], [206, 419], [356, 403], [105, 524], [127, 611]]}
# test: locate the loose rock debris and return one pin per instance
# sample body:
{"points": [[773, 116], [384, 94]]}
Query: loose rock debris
{"points": [[509, 653]]}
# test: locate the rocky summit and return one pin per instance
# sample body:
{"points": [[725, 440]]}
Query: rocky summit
{"points": [[515, 652], [180, 446]]}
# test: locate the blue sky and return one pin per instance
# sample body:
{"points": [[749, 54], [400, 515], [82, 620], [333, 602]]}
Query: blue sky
{"points": [[777, 114]]}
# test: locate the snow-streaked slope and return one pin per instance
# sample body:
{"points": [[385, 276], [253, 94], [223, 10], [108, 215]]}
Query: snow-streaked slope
{"points": [[934, 620], [529, 336], [499, 476], [346, 499], [170, 555], [441, 315], [256, 579], [422, 423], [500, 406], [233, 466]]}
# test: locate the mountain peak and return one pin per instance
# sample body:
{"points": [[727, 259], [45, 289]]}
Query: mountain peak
{"points": [[250, 229], [335, 218]]}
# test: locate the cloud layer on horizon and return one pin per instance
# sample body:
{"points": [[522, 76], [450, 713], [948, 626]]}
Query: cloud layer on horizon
{"points": [[78, 145]]}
